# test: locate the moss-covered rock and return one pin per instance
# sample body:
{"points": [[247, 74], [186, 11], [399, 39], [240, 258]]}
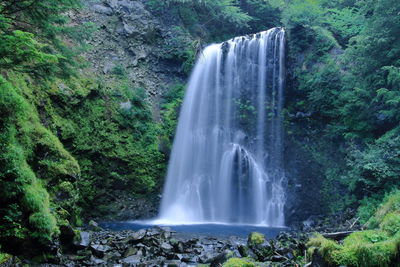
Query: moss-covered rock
{"points": [[255, 239], [369, 248], [239, 262]]}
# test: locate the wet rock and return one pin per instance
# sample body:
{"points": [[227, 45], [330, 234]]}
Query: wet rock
{"points": [[134, 259], [84, 240], [166, 247], [221, 258], [130, 251], [137, 237], [67, 235], [278, 258], [97, 261], [172, 263], [99, 250]]}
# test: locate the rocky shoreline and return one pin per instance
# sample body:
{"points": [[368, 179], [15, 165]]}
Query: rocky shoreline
{"points": [[161, 246]]}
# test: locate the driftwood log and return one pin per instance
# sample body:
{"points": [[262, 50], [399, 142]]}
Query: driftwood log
{"points": [[338, 235]]}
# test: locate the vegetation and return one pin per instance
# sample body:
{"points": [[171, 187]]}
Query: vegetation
{"points": [[68, 137], [256, 239], [377, 247], [239, 262]]}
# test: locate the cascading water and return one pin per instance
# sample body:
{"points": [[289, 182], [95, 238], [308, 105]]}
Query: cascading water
{"points": [[226, 164]]}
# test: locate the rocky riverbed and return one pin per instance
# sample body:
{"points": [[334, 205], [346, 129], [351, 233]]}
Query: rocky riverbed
{"points": [[163, 247]]}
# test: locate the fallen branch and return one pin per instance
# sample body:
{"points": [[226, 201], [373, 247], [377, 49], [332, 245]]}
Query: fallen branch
{"points": [[351, 226], [338, 235]]}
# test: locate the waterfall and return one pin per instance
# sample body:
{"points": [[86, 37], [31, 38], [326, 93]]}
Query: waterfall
{"points": [[226, 164]]}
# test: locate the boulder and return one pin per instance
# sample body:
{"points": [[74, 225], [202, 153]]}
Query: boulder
{"points": [[137, 237], [84, 240], [134, 259], [99, 250]]}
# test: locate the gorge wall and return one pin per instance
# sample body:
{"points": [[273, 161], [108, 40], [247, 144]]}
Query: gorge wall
{"points": [[150, 50]]}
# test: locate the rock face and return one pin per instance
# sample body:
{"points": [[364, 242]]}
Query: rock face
{"points": [[131, 41], [131, 37]]}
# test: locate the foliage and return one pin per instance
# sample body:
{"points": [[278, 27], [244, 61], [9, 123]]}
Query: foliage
{"points": [[22, 21], [346, 76], [378, 247], [25, 203], [170, 109]]}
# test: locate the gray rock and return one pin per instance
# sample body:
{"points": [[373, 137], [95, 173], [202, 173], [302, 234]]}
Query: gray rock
{"points": [[134, 259], [108, 67], [130, 251], [99, 250], [130, 30], [126, 105], [102, 10], [137, 237], [97, 261], [172, 263], [166, 247], [85, 239]]}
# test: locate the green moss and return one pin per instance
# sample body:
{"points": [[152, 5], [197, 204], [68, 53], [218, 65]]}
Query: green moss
{"points": [[325, 247], [32, 161], [255, 239], [238, 262], [391, 223], [390, 204], [370, 248]]}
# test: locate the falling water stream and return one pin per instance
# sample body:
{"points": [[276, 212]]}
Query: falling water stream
{"points": [[226, 164]]}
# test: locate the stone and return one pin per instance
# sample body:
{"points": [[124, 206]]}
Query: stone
{"points": [[99, 250], [130, 251], [137, 236], [102, 10], [221, 258], [172, 263], [134, 259], [84, 240], [166, 247], [277, 258], [97, 261]]}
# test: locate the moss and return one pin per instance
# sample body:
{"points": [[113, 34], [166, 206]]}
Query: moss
{"points": [[255, 239], [238, 262], [28, 173], [370, 248], [391, 203], [391, 223], [325, 247]]}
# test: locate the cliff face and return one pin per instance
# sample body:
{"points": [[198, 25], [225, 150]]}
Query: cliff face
{"points": [[130, 38], [146, 50]]}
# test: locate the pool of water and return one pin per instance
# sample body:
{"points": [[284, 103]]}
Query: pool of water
{"points": [[207, 229]]}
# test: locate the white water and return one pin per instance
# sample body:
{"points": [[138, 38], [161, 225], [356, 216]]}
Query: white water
{"points": [[226, 164]]}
